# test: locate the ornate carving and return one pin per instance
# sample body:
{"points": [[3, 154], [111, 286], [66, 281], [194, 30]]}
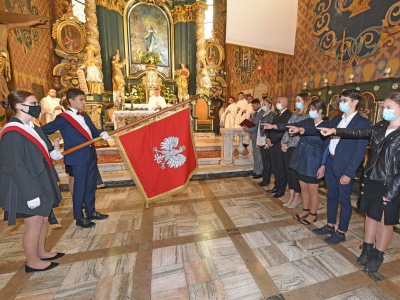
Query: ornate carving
{"points": [[184, 13], [116, 5]]}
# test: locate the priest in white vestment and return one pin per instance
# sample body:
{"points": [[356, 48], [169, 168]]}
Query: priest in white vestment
{"points": [[249, 108], [230, 114], [157, 102], [50, 107], [241, 109]]}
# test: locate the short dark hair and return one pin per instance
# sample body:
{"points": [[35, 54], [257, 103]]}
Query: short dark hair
{"points": [[352, 94], [241, 93], [73, 93], [318, 104], [255, 101], [15, 97], [232, 98]]}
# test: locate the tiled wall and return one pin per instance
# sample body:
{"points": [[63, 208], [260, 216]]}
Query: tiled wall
{"points": [[309, 64]]}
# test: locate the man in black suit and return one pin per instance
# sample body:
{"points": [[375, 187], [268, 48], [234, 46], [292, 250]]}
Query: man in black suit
{"points": [[274, 142]]}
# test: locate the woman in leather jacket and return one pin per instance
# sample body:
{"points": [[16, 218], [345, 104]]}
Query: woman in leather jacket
{"points": [[380, 193]]}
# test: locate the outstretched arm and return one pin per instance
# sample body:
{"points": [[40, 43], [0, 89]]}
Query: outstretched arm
{"points": [[11, 26]]}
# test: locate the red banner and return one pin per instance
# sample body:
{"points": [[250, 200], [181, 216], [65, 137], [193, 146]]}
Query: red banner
{"points": [[161, 155]]}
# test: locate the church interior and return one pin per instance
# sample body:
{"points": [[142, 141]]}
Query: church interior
{"points": [[221, 236]]}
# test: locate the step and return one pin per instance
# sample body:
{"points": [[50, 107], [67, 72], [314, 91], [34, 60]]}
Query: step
{"points": [[123, 178], [111, 167]]}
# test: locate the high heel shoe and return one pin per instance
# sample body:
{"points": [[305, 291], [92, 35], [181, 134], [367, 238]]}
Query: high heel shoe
{"points": [[294, 206], [298, 218], [306, 222]]}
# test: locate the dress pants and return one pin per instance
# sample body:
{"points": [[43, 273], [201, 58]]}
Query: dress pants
{"points": [[278, 167], [85, 186], [257, 167], [292, 178], [337, 194], [266, 164]]}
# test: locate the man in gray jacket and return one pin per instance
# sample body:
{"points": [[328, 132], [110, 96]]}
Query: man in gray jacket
{"points": [[257, 115]]}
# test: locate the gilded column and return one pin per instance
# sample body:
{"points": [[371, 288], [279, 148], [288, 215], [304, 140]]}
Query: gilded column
{"points": [[200, 8], [92, 36]]}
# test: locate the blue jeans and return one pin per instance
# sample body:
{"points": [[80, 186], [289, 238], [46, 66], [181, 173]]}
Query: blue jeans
{"points": [[338, 194]]}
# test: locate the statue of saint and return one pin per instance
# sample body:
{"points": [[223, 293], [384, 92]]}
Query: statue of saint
{"points": [[203, 79], [117, 76], [5, 69], [182, 80], [94, 75]]}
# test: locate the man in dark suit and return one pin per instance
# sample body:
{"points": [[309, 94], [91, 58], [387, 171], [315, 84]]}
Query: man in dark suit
{"points": [[257, 115], [274, 142], [343, 159], [76, 127]]}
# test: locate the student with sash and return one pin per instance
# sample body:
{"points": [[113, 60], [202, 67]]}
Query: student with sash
{"points": [[28, 181], [76, 127]]}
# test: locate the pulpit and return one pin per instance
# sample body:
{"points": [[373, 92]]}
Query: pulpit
{"points": [[203, 121]]}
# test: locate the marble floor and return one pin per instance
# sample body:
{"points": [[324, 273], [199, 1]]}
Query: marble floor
{"points": [[219, 239]]}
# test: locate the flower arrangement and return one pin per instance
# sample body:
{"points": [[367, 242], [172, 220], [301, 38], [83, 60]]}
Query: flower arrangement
{"points": [[150, 58], [137, 93], [168, 94]]}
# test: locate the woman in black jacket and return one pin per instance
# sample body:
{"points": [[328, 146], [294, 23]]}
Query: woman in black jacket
{"points": [[28, 180], [380, 191]]}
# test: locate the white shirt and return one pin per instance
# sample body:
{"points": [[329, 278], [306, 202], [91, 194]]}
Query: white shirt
{"points": [[155, 101], [389, 131], [48, 111], [343, 124], [249, 110], [281, 112], [80, 119]]}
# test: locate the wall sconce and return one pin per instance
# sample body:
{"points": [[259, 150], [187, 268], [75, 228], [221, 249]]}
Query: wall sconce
{"points": [[326, 81], [223, 73], [387, 72], [305, 85], [351, 77]]}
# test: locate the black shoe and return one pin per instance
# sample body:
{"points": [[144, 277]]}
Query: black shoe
{"points": [[278, 195], [257, 176], [297, 216], [375, 261], [324, 230], [335, 238], [273, 191], [30, 270], [366, 254], [57, 256], [97, 216], [262, 183], [85, 223], [306, 222], [252, 174]]}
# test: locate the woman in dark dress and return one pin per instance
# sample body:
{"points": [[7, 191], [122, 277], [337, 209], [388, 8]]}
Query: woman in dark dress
{"points": [[307, 161], [28, 181], [380, 191]]}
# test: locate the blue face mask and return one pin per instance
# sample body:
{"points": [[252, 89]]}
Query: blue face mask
{"points": [[265, 108], [313, 114], [344, 107], [388, 115], [299, 105]]}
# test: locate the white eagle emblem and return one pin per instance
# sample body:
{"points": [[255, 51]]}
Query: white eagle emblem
{"points": [[169, 153]]}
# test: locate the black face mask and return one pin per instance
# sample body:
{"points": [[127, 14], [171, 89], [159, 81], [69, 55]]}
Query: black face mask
{"points": [[33, 111]]}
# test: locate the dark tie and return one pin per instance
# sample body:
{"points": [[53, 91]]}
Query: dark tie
{"points": [[80, 113]]}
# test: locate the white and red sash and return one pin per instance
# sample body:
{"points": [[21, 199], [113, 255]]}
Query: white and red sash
{"points": [[31, 135], [76, 125]]}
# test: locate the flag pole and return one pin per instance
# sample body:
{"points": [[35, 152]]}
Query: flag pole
{"points": [[73, 149]]}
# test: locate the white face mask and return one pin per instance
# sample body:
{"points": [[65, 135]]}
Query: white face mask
{"points": [[279, 106]]}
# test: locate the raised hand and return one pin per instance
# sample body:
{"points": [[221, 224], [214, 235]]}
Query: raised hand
{"points": [[327, 131], [294, 129]]}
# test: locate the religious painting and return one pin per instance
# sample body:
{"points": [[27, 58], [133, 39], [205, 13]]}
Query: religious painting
{"points": [[333, 107], [350, 30], [214, 54], [148, 37], [70, 37], [368, 106]]}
